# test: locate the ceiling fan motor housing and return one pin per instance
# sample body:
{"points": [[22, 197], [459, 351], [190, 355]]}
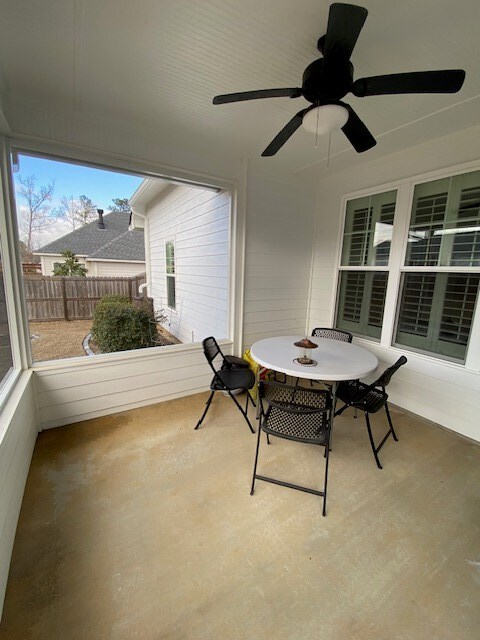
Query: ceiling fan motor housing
{"points": [[323, 81]]}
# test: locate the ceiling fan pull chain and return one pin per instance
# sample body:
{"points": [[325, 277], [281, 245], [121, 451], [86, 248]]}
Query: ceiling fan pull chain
{"points": [[316, 130], [328, 152]]}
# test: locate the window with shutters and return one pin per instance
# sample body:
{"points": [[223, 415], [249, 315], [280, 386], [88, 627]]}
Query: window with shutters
{"points": [[437, 305], [366, 245], [170, 273], [427, 266]]}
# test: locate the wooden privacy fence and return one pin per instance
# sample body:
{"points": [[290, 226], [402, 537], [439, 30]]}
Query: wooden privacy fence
{"points": [[73, 298]]}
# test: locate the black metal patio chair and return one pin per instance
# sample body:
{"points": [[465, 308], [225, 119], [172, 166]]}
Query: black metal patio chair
{"points": [[370, 398], [298, 414], [232, 375]]}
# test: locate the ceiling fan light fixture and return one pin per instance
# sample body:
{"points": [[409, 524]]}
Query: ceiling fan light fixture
{"points": [[325, 118]]}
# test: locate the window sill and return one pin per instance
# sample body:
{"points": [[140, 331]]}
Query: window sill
{"points": [[458, 366]]}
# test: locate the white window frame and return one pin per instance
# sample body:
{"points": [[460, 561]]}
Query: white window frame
{"points": [[396, 265], [103, 160], [171, 275], [16, 309], [363, 268]]}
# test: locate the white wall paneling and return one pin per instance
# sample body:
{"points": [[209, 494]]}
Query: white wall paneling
{"points": [[18, 432]]}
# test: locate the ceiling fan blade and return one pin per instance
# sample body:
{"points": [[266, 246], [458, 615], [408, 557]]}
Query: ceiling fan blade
{"points": [[345, 21], [447, 81], [357, 133], [287, 131], [255, 95]]}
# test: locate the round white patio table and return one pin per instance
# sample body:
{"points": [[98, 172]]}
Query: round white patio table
{"points": [[336, 360]]}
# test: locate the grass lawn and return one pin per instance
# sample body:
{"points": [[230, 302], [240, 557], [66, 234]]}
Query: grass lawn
{"points": [[58, 339], [61, 339]]}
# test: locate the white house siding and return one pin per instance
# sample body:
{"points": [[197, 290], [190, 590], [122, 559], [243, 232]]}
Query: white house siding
{"points": [[18, 432], [198, 222], [114, 269], [445, 393], [48, 263], [279, 243]]}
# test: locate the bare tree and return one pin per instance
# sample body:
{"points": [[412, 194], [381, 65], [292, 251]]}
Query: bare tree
{"points": [[76, 212], [37, 213]]}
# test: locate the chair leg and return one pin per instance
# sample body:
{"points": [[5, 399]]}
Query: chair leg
{"points": [[251, 398], [209, 401], [327, 456], [372, 444], [390, 422], [256, 461], [241, 409], [268, 439]]}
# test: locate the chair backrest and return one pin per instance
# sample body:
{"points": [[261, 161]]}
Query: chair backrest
{"points": [[294, 399], [333, 334], [295, 413], [386, 376], [211, 350]]}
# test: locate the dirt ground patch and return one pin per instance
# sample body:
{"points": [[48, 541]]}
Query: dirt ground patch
{"points": [[58, 339], [62, 339]]}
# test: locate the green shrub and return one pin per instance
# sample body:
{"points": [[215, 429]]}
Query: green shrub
{"points": [[118, 325]]}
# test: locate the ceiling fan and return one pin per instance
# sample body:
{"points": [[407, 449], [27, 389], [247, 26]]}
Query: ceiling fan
{"points": [[328, 79]]}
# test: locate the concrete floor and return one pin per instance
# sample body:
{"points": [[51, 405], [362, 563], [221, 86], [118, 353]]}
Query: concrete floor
{"points": [[136, 526]]}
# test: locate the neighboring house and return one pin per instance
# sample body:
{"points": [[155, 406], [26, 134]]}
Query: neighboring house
{"points": [[107, 247], [187, 240]]}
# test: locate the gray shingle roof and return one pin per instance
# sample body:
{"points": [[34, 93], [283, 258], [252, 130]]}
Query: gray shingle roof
{"points": [[115, 242]]}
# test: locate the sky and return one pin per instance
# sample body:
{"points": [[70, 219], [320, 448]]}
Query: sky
{"points": [[72, 180]]}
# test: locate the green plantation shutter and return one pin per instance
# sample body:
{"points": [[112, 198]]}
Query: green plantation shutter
{"points": [[428, 217], [361, 302], [368, 230], [377, 300], [466, 242], [385, 228], [436, 312], [358, 238], [352, 286], [445, 223]]}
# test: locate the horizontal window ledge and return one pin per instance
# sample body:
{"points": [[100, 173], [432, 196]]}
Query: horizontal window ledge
{"points": [[420, 355], [433, 269], [135, 355]]}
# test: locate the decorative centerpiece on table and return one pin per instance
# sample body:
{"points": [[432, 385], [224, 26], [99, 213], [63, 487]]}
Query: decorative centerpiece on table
{"points": [[305, 345]]}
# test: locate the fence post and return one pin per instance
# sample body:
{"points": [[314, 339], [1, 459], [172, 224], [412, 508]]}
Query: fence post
{"points": [[64, 298]]}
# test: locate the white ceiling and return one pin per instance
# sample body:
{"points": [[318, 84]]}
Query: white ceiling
{"points": [[158, 64]]}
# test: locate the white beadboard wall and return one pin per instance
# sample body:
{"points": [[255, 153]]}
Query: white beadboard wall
{"points": [[18, 432], [198, 222], [280, 213], [443, 392]]}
